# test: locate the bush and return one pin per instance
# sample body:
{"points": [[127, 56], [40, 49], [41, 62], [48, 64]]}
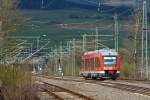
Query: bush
{"points": [[127, 70], [14, 75], [17, 83]]}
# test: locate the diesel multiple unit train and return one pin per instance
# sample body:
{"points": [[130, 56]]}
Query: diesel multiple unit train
{"points": [[103, 63]]}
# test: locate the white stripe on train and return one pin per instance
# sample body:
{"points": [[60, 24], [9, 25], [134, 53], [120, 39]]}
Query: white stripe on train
{"points": [[101, 72]]}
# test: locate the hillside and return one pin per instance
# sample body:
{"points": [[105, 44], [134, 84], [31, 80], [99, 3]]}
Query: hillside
{"points": [[67, 4], [67, 19], [62, 25], [52, 4]]}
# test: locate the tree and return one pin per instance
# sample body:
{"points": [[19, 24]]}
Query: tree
{"points": [[133, 43], [8, 17]]}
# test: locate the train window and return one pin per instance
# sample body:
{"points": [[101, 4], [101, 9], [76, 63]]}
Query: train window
{"points": [[91, 63], [87, 63], [83, 63], [110, 61], [97, 63]]}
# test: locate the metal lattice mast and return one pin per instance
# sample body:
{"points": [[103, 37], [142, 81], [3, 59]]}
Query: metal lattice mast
{"points": [[116, 32], [56, 60], [0, 26], [138, 3], [146, 31], [144, 34], [61, 60], [99, 4], [142, 57], [68, 57], [42, 4], [73, 57], [84, 42], [96, 39]]}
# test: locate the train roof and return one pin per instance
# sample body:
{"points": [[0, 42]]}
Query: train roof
{"points": [[104, 52]]}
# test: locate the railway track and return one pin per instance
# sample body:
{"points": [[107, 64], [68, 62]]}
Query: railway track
{"points": [[125, 87], [60, 93]]}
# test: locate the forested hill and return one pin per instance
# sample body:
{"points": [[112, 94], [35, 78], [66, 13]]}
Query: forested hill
{"points": [[53, 4], [65, 4]]}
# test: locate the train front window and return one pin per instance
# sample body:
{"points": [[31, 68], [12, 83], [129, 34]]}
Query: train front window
{"points": [[110, 61]]}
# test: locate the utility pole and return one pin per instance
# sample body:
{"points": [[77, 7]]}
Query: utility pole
{"points": [[116, 32]]}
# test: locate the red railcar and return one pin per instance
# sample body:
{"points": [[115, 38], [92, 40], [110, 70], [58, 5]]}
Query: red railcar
{"points": [[104, 63]]}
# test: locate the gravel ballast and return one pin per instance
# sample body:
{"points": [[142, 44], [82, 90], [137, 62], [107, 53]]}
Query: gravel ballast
{"points": [[95, 91]]}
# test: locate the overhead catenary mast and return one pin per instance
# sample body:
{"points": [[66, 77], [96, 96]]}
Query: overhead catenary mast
{"points": [[144, 35], [99, 4], [96, 39], [84, 43], [0, 26], [116, 32], [144, 57], [42, 4]]}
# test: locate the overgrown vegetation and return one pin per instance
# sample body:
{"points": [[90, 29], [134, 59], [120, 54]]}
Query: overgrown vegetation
{"points": [[16, 83], [132, 48], [14, 75], [15, 80], [10, 19], [128, 67]]}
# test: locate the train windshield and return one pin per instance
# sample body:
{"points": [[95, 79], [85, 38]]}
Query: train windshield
{"points": [[110, 61]]}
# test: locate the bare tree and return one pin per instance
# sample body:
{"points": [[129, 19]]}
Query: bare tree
{"points": [[134, 40], [8, 17]]}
